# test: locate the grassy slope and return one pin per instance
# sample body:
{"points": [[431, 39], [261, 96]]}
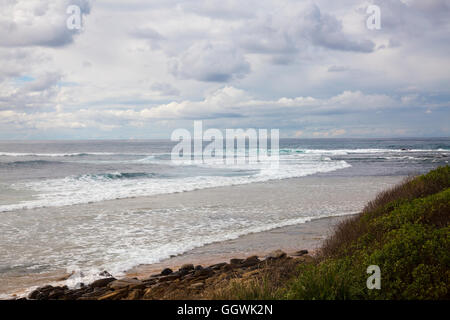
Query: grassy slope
{"points": [[405, 231]]}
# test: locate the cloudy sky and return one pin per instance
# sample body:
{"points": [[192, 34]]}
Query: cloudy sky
{"points": [[139, 68]]}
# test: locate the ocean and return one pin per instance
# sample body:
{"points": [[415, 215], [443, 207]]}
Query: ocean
{"points": [[84, 207]]}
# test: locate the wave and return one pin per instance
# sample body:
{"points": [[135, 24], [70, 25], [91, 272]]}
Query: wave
{"points": [[114, 176], [356, 151], [31, 163], [151, 156], [79, 189], [80, 154]]}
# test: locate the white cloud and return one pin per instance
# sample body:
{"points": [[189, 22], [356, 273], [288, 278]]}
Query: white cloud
{"points": [[37, 22], [227, 102]]}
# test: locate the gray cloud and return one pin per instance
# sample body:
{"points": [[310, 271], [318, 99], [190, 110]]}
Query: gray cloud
{"points": [[325, 30], [294, 30], [38, 93], [211, 62], [338, 68], [37, 23]]}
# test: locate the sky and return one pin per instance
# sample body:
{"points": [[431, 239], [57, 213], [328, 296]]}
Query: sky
{"points": [[139, 69]]}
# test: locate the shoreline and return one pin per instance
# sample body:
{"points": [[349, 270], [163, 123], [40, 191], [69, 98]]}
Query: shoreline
{"points": [[187, 282], [292, 238], [305, 236]]}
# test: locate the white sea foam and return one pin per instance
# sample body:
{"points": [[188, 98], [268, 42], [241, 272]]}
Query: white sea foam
{"points": [[57, 155], [361, 151], [76, 190], [94, 188], [151, 156]]}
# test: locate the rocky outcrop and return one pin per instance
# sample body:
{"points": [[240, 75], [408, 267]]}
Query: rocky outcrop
{"points": [[188, 282], [300, 253], [277, 254]]}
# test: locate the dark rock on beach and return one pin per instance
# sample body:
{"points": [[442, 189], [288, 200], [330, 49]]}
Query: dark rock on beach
{"points": [[300, 253], [101, 282], [277, 254], [188, 282], [187, 267], [166, 271]]}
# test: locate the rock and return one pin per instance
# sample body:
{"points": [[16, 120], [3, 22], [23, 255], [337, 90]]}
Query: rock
{"points": [[46, 288], [170, 277], [203, 272], [149, 282], [74, 295], [158, 285], [139, 286], [234, 262], [300, 253], [33, 295], [197, 285], [166, 272], [41, 293], [187, 267], [250, 261], [226, 267], [201, 278], [97, 292], [105, 274], [183, 272], [101, 282], [113, 295], [198, 267], [218, 266], [134, 295], [123, 283], [148, 294], [277, 254], [100, 291], [56, 293]]}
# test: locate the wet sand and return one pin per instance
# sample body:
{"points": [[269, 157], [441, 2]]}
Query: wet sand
{"points": [[290, 239]]}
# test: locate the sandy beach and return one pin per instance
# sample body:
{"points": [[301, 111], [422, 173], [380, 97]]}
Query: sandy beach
{"points": [[290, 239]]}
